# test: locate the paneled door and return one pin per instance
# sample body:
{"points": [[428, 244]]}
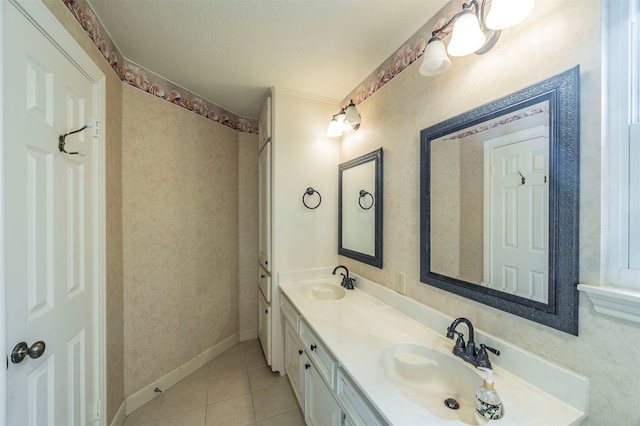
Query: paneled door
{"points": [[518, 216], [53, 236]]}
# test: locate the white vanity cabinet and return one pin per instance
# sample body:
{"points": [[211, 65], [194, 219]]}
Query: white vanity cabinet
{"points": [[295, 359], [321, 407], [357, 410], [325, 392]]}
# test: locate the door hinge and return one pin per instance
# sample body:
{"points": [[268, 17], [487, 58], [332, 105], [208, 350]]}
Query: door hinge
{"points": [[98, 410]]}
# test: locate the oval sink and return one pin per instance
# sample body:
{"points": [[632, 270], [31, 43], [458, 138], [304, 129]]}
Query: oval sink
{"points": [[428, 377], [325, 291]]}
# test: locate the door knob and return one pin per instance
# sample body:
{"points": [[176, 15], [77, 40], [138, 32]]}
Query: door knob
{"points": [[22, 350]]}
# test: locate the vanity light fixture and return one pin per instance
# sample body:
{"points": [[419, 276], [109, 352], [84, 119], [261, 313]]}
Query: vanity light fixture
{"points": [[472, 31], [347, 119]]}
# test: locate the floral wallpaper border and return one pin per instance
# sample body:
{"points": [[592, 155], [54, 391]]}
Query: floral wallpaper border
{"points": [[410, 52], [143, 79], [137, 76], [500, 122]]}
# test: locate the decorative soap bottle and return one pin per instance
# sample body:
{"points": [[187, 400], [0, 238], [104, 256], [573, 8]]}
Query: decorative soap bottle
{"points": [[488, 402]]}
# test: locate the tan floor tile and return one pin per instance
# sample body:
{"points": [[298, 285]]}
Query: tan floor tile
{"points": [[232, 361], [288, 418], [183, 399], [199, 376], [273, 401], [255, 356], [144, 414], [251, 344], [231, 412], [188, 418], [226, 387], [263, 377]]}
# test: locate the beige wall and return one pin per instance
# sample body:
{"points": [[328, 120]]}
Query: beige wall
{"points": [[180, 227], [558, 36], [113, 140], [189, 238]]}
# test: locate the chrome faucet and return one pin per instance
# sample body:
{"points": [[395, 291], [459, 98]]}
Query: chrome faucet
{"points": [[346, 281], [467, 351]]}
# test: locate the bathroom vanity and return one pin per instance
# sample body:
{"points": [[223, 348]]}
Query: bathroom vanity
{"points": [[353, 359]]}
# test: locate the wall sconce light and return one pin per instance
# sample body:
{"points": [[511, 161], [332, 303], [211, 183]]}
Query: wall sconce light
{"points": [[347, 119], [473, 31]]}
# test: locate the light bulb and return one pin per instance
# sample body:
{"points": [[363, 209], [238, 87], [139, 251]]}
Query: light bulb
{"points": [[334, 128], [467, 37], [507, 13]]}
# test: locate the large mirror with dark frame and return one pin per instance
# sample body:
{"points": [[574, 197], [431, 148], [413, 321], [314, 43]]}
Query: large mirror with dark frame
{"points": [[360, 208], [499, 203]]}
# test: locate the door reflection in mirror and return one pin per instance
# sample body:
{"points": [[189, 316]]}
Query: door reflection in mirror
{"points": [[489, 203]]}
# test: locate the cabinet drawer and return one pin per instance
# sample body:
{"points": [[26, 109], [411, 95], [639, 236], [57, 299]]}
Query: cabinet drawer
{"points": [[289, 312], [356, 407], [264, 282], [319, 354]]}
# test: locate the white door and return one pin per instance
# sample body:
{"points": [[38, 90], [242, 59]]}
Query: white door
{"points": [[518, 216], [52, 230]]}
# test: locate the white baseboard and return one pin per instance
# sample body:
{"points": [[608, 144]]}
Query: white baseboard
{"points": [[248, 334], [147, 393], [121, 415]]}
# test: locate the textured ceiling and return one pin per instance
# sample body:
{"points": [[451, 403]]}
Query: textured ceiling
{"points": [[231, 51]]}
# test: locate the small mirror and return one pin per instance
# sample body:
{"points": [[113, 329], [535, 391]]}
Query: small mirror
{"points": [[360, 208], [499, 203]]}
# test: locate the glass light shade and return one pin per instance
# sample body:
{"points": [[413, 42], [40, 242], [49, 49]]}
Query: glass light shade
{"points": [[435, 60], [507, 13], [342, 124], [334, 129], [467, 37], [351, 115]]}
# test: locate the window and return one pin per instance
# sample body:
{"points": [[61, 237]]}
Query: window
{"points": [[623, 137], [619, 294]]}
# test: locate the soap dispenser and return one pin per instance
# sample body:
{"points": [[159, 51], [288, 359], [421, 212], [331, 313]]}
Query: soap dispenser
{"points": [[488, 403]]}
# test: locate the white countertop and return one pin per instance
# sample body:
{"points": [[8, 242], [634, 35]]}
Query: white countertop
{"points": [[358, 327]]}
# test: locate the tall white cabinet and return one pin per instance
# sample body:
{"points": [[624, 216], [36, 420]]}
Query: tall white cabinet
{"points": [[294, 154], [264, 230]]}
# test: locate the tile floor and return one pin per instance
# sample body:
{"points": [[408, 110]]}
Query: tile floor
{"points": [[236, 388]]}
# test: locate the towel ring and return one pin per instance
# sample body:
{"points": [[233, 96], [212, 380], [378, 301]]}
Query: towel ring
{"points": [[363, 194], [310, 191]]}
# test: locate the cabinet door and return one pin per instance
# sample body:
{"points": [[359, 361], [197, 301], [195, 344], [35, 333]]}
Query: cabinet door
{"points": [[264, 125], [321, 408], [294, 361], [264, 326], [264, 207]]}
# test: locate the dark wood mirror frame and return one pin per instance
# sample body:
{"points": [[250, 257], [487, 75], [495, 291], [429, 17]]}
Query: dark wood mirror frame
{"points": [[561, 310], [376, 259]]}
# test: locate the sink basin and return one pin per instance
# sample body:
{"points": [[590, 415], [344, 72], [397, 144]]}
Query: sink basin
{"points": [[325, 291], [428, 377]]}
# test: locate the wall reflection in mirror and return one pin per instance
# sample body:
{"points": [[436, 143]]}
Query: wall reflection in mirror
{"points": [[499, 203], [360, 208], [489, 203]]}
